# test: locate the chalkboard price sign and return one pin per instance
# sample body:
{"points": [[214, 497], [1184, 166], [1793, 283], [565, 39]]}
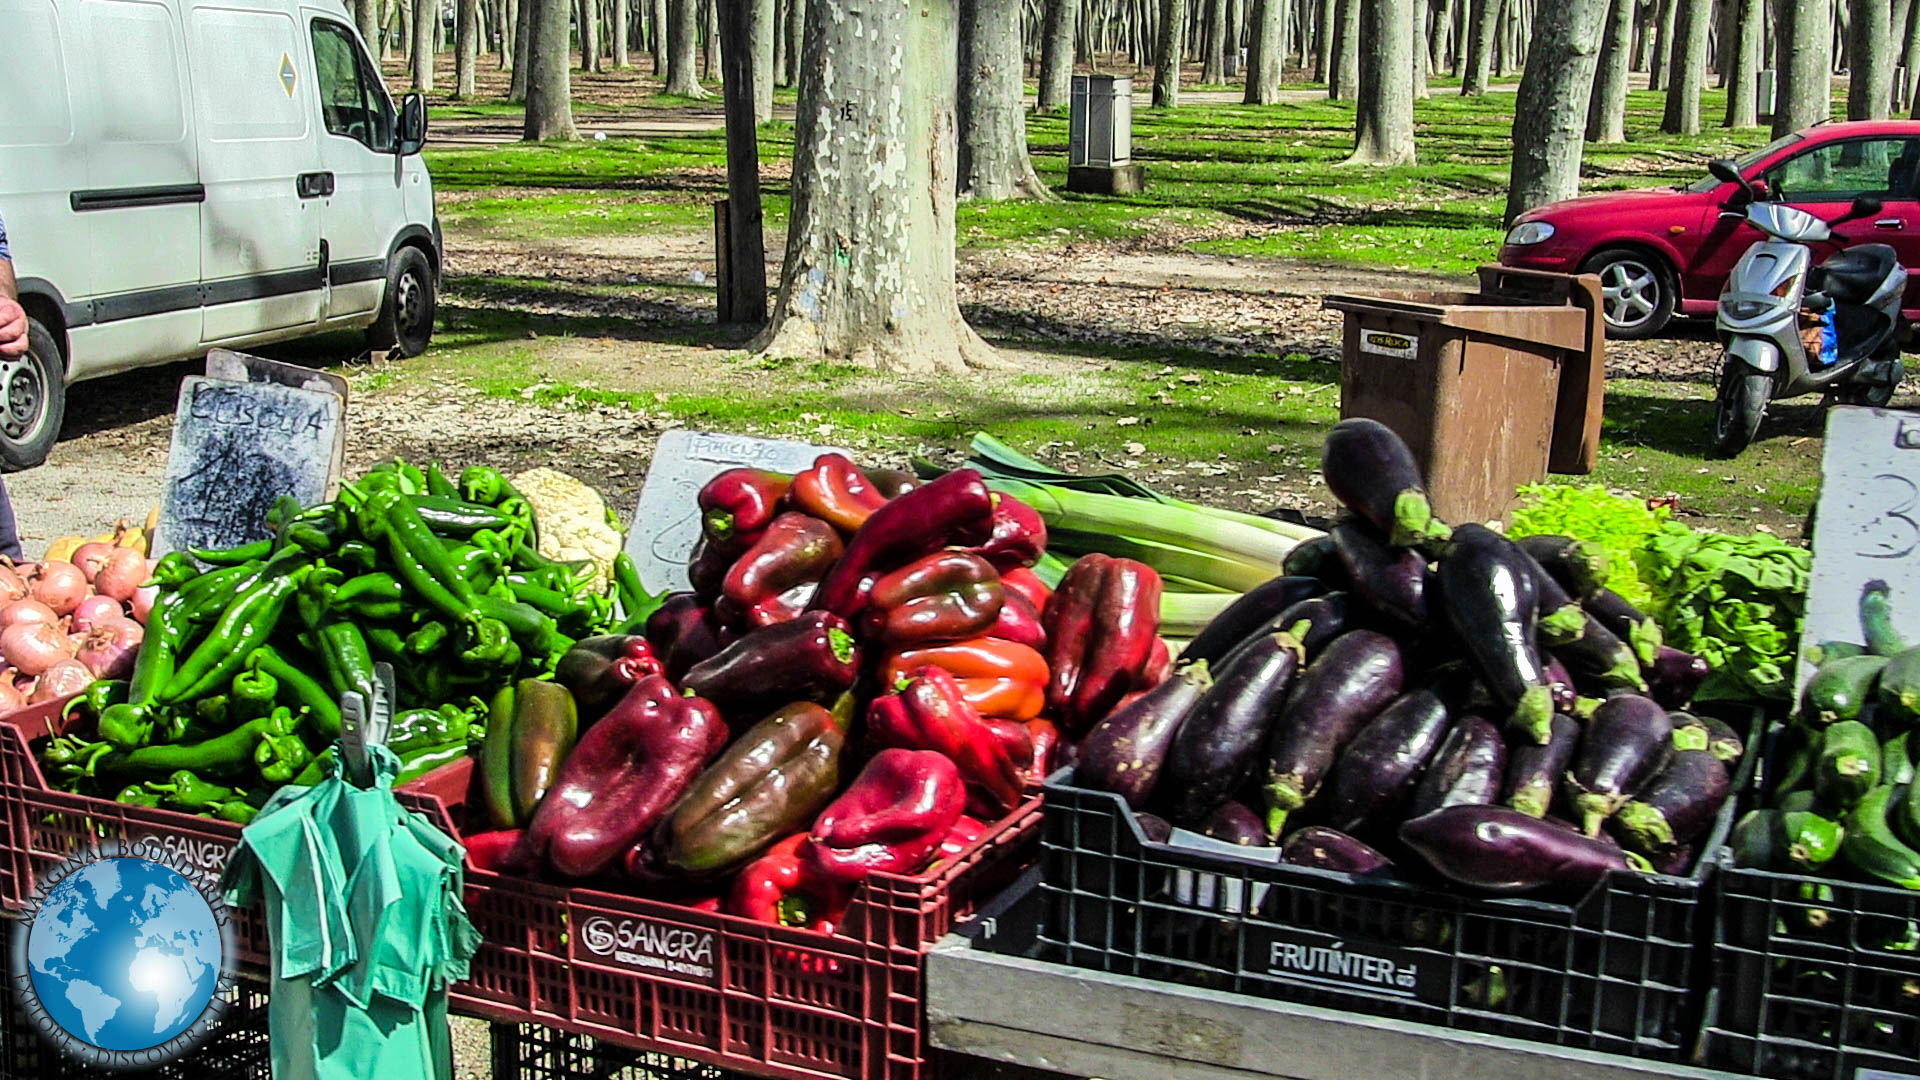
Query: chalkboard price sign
{"points": [[236, 448], [1866, 527]]}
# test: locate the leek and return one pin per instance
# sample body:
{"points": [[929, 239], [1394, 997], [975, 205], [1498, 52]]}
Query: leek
{"points": [[1183, 614], [1176, 526]]}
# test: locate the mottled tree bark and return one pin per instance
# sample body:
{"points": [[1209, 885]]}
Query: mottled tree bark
{"points": [[991, 105], [466, 51], [1607, 107], [1343, 83], [1323, 42], [1057, 42], [683, 48], [509, 33], [796, 30], [1383, 126], [1484, 19], [1743, 68], [549, 85], [366, 15], [1263, 53], [426, 18], [589, 23], [657, 40], [1550, 113], [522, 50], [869, 271], [1870, 57], [1689, 70], [761, 30], [1213, 67], [622, 34], [1659, 75], [746, 282], [710, 51], [1170, 48], [1804, 96]]}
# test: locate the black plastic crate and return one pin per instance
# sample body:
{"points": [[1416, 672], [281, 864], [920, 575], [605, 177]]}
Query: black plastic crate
{"points": [[538, 1052], [1623, 969], [1814, 978], [237, 1050]]}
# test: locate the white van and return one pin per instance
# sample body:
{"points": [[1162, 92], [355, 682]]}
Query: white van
{"points": [[181, 174]]}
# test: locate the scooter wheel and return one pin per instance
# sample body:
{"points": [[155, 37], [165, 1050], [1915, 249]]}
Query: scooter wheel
{"points": [[1737, 411]]}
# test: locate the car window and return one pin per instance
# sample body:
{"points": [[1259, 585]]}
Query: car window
{"points": [[353, 103], [1842, 171], [1744, 162]]}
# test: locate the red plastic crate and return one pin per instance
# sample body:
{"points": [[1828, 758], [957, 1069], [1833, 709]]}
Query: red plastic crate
{"points": [[42, 828], [731, 992]]}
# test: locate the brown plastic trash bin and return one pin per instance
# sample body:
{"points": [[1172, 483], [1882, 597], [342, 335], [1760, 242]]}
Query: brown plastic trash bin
{"points": [[1491, 390]]}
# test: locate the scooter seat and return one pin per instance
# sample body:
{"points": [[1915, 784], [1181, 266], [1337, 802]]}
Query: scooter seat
{"points": [[1852, 276]]}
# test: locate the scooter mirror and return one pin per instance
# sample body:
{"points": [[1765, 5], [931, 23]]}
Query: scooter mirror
{"points": [[1726, 172]]}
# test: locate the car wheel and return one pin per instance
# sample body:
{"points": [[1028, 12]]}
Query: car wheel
{"points": [[406, 315], [1739, 407], [1637, 290], [33, 400]]}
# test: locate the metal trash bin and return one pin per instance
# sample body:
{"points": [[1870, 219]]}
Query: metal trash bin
{"points": [[1490, 390]]}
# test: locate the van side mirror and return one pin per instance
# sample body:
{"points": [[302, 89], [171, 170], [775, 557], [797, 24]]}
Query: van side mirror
{"points": [[413, 125]]}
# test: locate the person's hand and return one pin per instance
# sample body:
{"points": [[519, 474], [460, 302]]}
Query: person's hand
{"points": [[13, 328]]}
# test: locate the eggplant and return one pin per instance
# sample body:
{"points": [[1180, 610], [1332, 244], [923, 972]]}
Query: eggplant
{"points": [[1155, 827], [1379, 768], [1497, 849], [1218, 743], [1677, 807], [1626, 744], [1316, 622], [1246, 616], [1467, 771], [1560, 617], [1725, 743], [1125, 752], [1490, 604], [1580, 568], [1689, 731], [1371, 471], [1599, 660], [1311, 558], [1392, 581], [1235, 823], [1627, 622], [1560, 683], [1674, 676], [1534, 771], [1330, 849], [1344, 687]]}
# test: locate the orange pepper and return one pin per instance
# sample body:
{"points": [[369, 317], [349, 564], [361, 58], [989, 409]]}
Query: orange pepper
{"points": [[998, 678]]}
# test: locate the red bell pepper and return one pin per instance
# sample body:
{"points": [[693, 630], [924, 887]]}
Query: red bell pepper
{"points": [[945, 596], [787, 887], [892, 818], [622, 778], [1018, 535], [683, 632], [1159, 665], [1101, 624], [965, 833], [811, 658], [1019, 620], [955, 510], [489, 850], [837, 492], [776, 577], [736, 505], [998, 678], [1027, 584], [1046, 747], [930, 713], [1015, 739], [707, 568]]}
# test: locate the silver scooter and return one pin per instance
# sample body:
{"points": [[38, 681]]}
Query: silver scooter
{"points": [[1759, 319]]}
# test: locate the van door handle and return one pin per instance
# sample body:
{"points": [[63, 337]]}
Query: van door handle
{"points": [[1890, 223], [314, 185]]}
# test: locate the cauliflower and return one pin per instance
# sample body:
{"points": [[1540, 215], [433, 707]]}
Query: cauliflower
{"points": [[573, 519]]}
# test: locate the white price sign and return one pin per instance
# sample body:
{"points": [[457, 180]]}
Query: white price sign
{"points": [[1866, 526]]}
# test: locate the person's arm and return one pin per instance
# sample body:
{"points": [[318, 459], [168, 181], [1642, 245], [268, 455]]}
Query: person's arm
{"points": [[13, 320]]}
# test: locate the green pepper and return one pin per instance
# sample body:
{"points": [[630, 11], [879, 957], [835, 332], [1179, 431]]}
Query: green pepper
{"points": [[534, 631], [626, 585], [136, 795], [369, 595], [279, 756], [405, 533], [253, 694], [428, 638], [559, 606], [99, 696], [385, 640], [244, 626], [173, 570], [456, 517], [481, 484], [208, 607], [238, 811], [186, 791], [299, 690], [220, 584], [478, 565], [230, 754], [424, 760], [414, 728], [285, 509], [355, 557], [349, 663], [233, 556], [490, 646], [496, 760], [439, 484]]}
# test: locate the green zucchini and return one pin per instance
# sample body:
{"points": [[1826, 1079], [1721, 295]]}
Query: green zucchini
{"points": [[1834, 650], [1871, 847], [1792, 765], [1810, 839], [1849, 765], [1896, 765], [1756, 841], [1876, 620], [1900, 686], [1840, 688], [1905, 815], [1802, 800]]}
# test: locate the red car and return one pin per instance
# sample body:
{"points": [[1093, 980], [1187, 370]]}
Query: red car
{"points": [[1667, 251]]}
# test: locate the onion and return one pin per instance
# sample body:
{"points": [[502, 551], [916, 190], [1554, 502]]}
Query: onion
{"points": [[59, 585], [27, 611], [64, 679], [91, 556], [142, 602], [32, 648], [108, 650], [10, 697], [121, 574], [12, 585], [93, 610]]}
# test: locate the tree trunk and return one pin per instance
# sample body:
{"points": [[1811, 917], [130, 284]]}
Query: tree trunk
{"points": [[1485, 21], [1659, 74], [1743, 54], [1344, 81], [1263, 53], [780, 20], [589, 35], [522, 50], [1056, 54], [869, 271], [1805, 90], [1323, 42], [1213, 70], [1689, 69], [683, 55], [991, 105], [657, 44], [1550, 113], [622, 35], [1607, 108], [1419, 54], [366, 15], [761, 30], [710, 56], [796, 34], [746, 283], [1911, 55], [509, 11], [1383, 132], [1870, 52], [1169, 50], [466, 53], [426, 15], [549, 90]]}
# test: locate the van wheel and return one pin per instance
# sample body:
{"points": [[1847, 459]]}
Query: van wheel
{"points": [[33, 401], [1637, 292], [406, 316]]}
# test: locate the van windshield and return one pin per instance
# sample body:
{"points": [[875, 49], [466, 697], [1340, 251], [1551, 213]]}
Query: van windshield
{"points": [[1743, 163]]}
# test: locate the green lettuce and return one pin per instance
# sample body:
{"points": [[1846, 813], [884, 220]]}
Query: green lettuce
{"points": [[1620, 525], [1736, 600]]}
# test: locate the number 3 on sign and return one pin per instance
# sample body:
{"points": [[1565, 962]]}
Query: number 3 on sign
{"points": [[1891, 533]]}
